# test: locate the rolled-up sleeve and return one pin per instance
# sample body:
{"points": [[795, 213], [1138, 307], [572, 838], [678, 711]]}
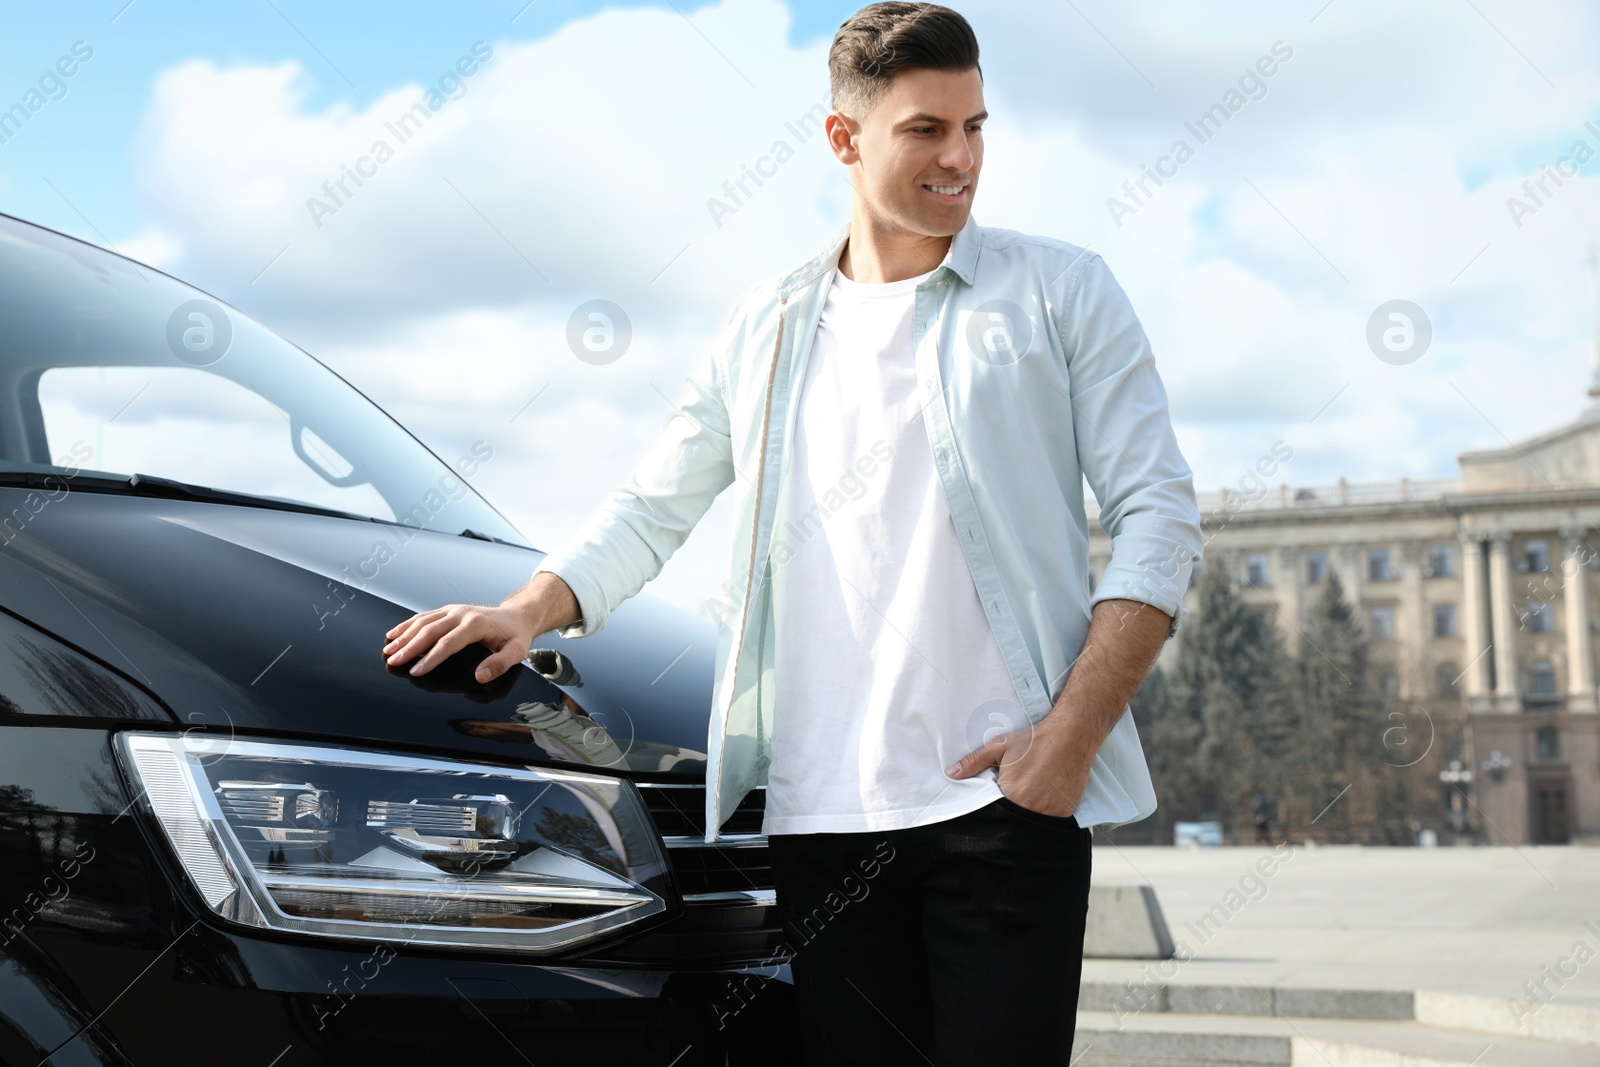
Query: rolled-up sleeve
{"points": [[630, 537], [1126, 445]]}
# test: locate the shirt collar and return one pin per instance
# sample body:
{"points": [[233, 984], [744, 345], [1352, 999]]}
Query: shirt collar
{"points": [[961, 259]]}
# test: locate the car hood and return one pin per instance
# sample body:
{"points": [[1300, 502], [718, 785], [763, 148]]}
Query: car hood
{"points": [[253, 620]]}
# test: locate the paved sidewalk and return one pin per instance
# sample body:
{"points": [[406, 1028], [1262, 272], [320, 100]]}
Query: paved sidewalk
{"points": [[1476, 920]]}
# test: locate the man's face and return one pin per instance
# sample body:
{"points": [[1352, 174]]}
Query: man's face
{"points": [[925, 132]]}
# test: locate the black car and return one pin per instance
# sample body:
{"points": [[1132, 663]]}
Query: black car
{"points": [[229, 832]]}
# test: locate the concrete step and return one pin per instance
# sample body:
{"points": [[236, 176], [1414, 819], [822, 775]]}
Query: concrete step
{"points": [[1204, 999], [1572, 1023], [1171, 1039], [1555, 1021]]}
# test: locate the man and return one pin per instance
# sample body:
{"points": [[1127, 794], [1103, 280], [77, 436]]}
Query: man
{"points": [[910, 659]]}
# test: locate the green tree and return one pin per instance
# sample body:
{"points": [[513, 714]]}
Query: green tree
{"points": [[1227, 701], [1170, 737], [1339, 735]]}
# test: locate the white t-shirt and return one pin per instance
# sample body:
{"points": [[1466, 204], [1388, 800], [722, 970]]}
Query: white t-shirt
{"points": [[887, 669]]}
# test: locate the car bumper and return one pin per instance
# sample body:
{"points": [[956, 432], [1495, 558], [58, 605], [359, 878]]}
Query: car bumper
{"points": [[218, 997]]}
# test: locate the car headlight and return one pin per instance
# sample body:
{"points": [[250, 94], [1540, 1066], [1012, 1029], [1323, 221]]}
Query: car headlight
{"points": [[322, 839]]}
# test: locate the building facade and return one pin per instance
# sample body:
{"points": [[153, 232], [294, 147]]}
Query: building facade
{"points": [[1478, 599]]}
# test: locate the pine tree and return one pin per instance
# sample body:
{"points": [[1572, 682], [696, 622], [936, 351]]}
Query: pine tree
{"points": [[1170, 736], [1339, 711], [1228, 698]]}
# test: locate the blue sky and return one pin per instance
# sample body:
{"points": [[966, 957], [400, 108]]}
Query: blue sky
{"points": [[1375, 163]]}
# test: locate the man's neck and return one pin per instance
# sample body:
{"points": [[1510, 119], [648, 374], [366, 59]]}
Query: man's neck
{"points": [[874, 256]]}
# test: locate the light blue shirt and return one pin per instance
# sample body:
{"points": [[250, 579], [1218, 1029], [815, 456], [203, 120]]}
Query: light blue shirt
{"points": [[1034, 375]]}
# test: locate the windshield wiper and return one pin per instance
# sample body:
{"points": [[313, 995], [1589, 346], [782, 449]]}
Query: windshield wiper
{"points": [[172, 489], [476, 536], [165, 488]]}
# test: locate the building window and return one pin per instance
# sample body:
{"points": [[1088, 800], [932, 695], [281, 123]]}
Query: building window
{"points": [[1444, 620], [1389, 680], [1542, 679], [1448, 680], [1548, 742], [1442, 561], [1378, 565], [1536, 555], [1256, 569], [1540, 618], [1382, 621], [1316, 567]]}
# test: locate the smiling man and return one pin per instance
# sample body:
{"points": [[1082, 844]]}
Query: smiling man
{"points": [[910, 657]]}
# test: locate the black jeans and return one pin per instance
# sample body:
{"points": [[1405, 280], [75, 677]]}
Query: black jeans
{"points": [[961, 940]]}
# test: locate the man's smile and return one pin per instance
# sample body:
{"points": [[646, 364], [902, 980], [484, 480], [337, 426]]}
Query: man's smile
{"points": [[952, 193]]}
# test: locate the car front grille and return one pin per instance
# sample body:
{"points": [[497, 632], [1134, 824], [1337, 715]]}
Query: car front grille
{"points": [[730, 907], [736, 864]]}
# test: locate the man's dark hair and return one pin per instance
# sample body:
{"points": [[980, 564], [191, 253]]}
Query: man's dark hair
{"points": [[881, 40]]}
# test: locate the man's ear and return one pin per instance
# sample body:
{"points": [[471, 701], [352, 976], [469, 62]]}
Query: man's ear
{"points": [[841, 131]]}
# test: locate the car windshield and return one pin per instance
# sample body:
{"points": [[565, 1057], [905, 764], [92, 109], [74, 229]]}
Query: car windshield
{"points": [[111, 369]]}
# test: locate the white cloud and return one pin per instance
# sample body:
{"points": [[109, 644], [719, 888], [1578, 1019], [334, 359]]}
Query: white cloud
{"points": [[551, 179]]}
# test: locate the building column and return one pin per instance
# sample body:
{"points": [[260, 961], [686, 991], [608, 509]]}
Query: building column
{"points": [[1575, 595], [1415, 630], [1474, 632], [1507, 694]]}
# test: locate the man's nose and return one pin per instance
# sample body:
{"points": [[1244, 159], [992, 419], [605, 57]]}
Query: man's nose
{"points": [[956, 153]]}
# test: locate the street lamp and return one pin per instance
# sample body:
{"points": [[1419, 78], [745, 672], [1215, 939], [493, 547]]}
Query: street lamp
{"points": [[1456, 777], [1497, 764]]}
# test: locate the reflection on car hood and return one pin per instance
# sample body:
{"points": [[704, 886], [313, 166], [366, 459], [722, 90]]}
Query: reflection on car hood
{"points": [[254, 620]]}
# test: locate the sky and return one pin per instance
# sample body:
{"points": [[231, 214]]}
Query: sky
{"points": [[1443, 154]]}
